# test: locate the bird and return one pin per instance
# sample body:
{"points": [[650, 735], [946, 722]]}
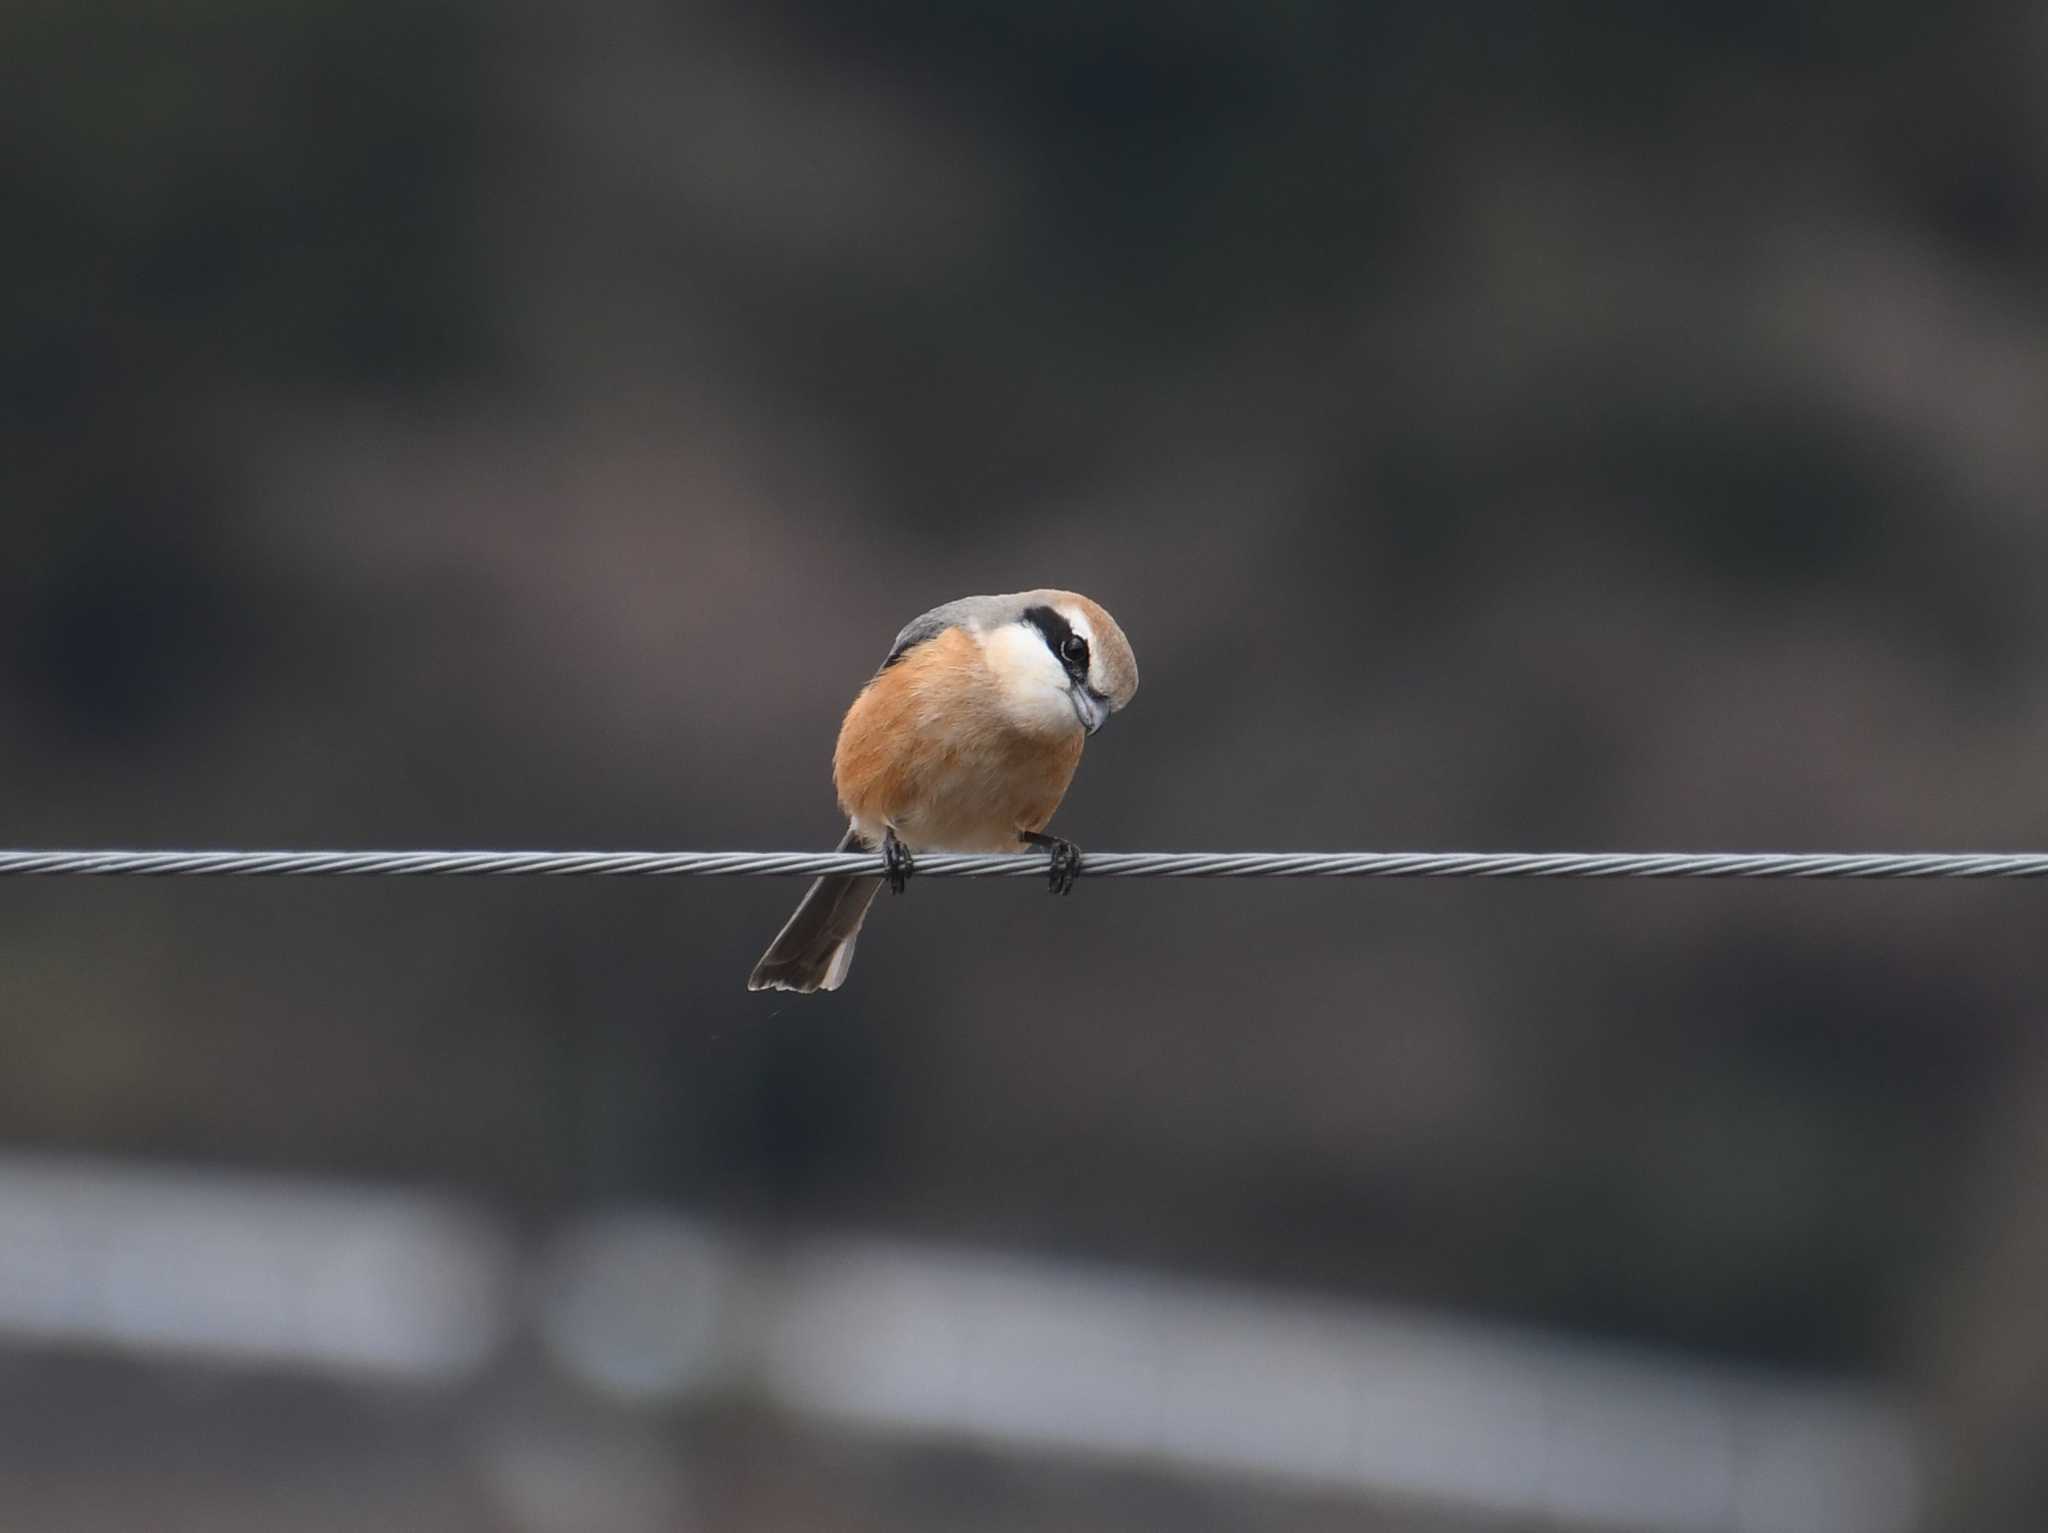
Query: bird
{"points": [[964, 740]]}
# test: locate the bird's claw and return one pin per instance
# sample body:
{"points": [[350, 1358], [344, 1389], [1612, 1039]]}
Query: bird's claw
{"points": [[897, 863], [1065, 864], [1066, 867]]}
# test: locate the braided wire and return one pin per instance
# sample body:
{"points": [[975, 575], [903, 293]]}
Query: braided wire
{"points": [[524, 864]]}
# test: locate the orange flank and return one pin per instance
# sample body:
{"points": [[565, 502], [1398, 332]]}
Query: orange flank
{"points": [[927, 748]]}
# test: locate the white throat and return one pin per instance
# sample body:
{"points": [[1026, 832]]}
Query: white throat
{"points": [[1030, 681]]}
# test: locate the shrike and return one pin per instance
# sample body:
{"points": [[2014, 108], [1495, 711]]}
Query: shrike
{"points": [[964, 741]]}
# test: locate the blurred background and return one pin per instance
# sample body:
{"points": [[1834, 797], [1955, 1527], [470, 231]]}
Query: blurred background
{"points": [[1497, 427]]}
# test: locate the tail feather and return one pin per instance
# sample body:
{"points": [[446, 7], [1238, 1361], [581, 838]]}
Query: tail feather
{"points": [[815, 949]]}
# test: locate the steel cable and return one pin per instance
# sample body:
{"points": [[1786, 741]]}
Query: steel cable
{"points": [[593, 864]]}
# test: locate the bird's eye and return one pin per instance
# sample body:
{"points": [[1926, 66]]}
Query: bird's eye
{"points": [[1074, 651]]}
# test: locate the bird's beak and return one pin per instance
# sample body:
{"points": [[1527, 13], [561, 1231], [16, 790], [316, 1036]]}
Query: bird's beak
{"points": [[1092, 707]]}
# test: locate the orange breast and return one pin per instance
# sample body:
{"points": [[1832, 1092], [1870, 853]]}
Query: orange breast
{"points": [[927, 748]]}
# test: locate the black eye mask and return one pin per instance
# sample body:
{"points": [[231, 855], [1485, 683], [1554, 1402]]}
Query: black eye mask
{"points": [[1068, 647]]}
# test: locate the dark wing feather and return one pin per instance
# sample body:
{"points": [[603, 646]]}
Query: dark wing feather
{"points": [[921, 630]]}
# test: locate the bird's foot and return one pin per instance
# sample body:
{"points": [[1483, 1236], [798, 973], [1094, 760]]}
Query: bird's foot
{"points": [[1065, 865], [897, 862]]}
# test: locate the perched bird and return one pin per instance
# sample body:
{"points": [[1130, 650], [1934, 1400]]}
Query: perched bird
{"points": [[964, 741]]}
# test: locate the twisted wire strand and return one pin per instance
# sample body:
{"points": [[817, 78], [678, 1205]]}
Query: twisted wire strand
{"points": [[573, 864]]}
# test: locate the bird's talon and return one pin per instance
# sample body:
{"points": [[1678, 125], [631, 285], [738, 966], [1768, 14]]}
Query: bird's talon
{"points": [[1064, 864], [897, 862], [1063, 875]]}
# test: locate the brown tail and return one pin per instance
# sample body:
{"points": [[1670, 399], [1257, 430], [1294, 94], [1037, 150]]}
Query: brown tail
{"points": [[815, 949]]}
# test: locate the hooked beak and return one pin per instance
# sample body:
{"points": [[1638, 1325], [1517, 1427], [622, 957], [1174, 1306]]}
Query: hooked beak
{"points": [[1091, 706]]}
